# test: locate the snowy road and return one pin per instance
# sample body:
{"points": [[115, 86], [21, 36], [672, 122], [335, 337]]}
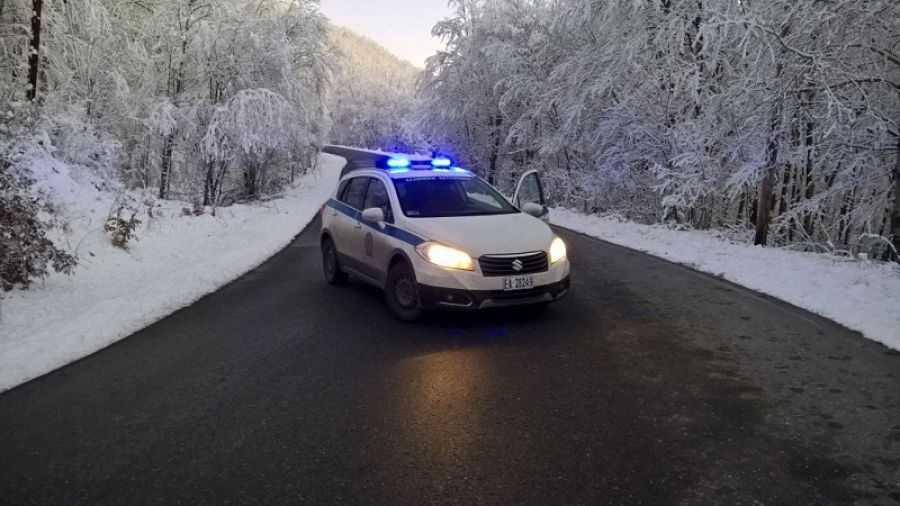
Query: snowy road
{"points": [[650, 383]]}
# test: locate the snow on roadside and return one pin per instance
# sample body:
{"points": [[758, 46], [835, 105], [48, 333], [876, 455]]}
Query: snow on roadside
{"points": [[861, 295], [175, 261]]}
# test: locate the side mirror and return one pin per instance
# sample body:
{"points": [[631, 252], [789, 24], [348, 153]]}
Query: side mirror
{"points": [[374, 215], [533, 209]]}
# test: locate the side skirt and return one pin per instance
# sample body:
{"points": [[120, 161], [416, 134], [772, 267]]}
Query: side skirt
{"points": [[353, 267]]}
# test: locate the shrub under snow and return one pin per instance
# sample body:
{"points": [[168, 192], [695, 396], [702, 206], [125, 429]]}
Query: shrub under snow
{"points": [[25, 219]]}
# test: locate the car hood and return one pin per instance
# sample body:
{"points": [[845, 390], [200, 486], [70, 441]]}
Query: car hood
{"points": [[482, 235]]}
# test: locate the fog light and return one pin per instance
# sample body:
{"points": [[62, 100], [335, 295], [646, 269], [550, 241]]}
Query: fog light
{"points": [[456, 299]]}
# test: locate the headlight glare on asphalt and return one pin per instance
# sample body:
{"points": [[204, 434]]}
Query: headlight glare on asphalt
{"points": [[445, 256], [557, 250]]}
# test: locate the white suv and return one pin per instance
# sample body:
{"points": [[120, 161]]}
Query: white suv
{"points": [[437, 236]]}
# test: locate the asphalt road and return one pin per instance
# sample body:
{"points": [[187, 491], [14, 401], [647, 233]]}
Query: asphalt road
{"points": [[650, 384]]}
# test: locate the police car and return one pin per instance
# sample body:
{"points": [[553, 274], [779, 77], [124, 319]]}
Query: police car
{"points": [[433, 235]]}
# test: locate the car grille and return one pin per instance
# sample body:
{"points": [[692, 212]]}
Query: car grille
{"points": [[505, 265]]}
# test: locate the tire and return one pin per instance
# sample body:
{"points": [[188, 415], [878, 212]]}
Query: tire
{"points": [[401, 293], [330, 264]]}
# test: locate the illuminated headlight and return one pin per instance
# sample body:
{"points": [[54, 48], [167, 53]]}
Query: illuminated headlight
{"points": [[445, 256], [557, 250]]}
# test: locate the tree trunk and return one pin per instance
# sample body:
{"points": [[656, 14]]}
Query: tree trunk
{"points": [[763, 207], [165, 171], [209, 183], [176, 84], [809, 188], [217, 187], [145, 166], [495, 149], [752, 208], [844, 222], [784, 196], [250, 181], [895, 218], [37, 7], [767, 186], [739, 217]]}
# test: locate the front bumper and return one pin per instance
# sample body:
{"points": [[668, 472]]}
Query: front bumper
{"points": [[432, 297], [432, 275]]}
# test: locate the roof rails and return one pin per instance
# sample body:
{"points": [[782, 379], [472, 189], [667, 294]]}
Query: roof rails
{"points": [[358, 158]]}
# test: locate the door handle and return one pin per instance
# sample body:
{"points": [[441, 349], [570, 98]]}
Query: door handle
{"points": [[358, 225]]}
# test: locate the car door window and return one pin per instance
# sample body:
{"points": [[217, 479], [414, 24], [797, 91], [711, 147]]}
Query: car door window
{"points": [[342, 188], [377, 196], [355, 193], [530, 191]]}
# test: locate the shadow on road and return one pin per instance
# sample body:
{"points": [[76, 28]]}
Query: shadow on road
{"points": [[449, 328]]}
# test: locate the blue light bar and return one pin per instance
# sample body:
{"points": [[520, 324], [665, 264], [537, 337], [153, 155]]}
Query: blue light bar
{"points": [[398, 163], [441, 161]]}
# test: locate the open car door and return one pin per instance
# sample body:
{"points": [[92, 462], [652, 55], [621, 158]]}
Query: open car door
{"points": [[530, 190]]}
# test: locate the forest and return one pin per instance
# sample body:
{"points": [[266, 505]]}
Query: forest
{"points": [[194, 98], [208, 102], [776, 121]]}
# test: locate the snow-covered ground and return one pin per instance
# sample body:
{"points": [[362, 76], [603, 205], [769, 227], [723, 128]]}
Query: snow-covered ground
{"points": [[175, 261], [861, 295]]}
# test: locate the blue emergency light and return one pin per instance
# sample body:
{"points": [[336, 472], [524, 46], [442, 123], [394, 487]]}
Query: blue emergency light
{"points": [[398, 163], [441, 161]]}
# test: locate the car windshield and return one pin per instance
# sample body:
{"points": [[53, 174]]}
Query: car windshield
{"points": [[433, 197]]}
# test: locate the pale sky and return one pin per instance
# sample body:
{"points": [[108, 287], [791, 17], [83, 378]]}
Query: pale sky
{"points": [[402, 26]]}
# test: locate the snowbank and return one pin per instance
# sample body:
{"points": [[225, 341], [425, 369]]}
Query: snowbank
{"points": [[114, 293], [861, 295]]}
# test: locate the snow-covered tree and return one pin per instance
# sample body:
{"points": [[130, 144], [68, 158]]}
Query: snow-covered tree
{"points": [[777, 117], [131, 88], [372, 101]]}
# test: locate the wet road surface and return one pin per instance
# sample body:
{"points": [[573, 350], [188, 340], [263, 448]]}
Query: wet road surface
{"points": [[650, 384]]}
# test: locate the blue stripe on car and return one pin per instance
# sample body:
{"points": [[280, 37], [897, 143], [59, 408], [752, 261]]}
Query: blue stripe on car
{"points": [[390, 230]]}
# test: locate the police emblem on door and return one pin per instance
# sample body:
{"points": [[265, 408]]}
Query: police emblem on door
{"points": [[517, 265], [370, 244]]}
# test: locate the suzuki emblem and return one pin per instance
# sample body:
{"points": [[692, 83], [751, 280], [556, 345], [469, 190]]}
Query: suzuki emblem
{"points": [[517, 265]]}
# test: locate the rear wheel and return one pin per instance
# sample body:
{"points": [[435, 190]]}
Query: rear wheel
{"points": [[330, 264], [402, 294]]}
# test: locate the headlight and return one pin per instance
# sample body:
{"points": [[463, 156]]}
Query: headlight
{"points": [[445, 256], [557, 250]]}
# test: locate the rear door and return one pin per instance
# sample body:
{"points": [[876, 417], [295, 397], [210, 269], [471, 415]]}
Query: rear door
{"points": [[530, 190], [376, 243], [348, 228]]}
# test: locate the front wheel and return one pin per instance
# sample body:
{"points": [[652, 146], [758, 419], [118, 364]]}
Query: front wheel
{"points": [[330, 264], [402, 294]]}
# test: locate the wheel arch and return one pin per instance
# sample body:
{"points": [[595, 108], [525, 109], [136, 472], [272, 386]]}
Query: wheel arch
{"points": [[397, 256]]}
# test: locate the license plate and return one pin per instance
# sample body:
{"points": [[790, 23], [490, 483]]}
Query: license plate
{"points": [[518, 283]]}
